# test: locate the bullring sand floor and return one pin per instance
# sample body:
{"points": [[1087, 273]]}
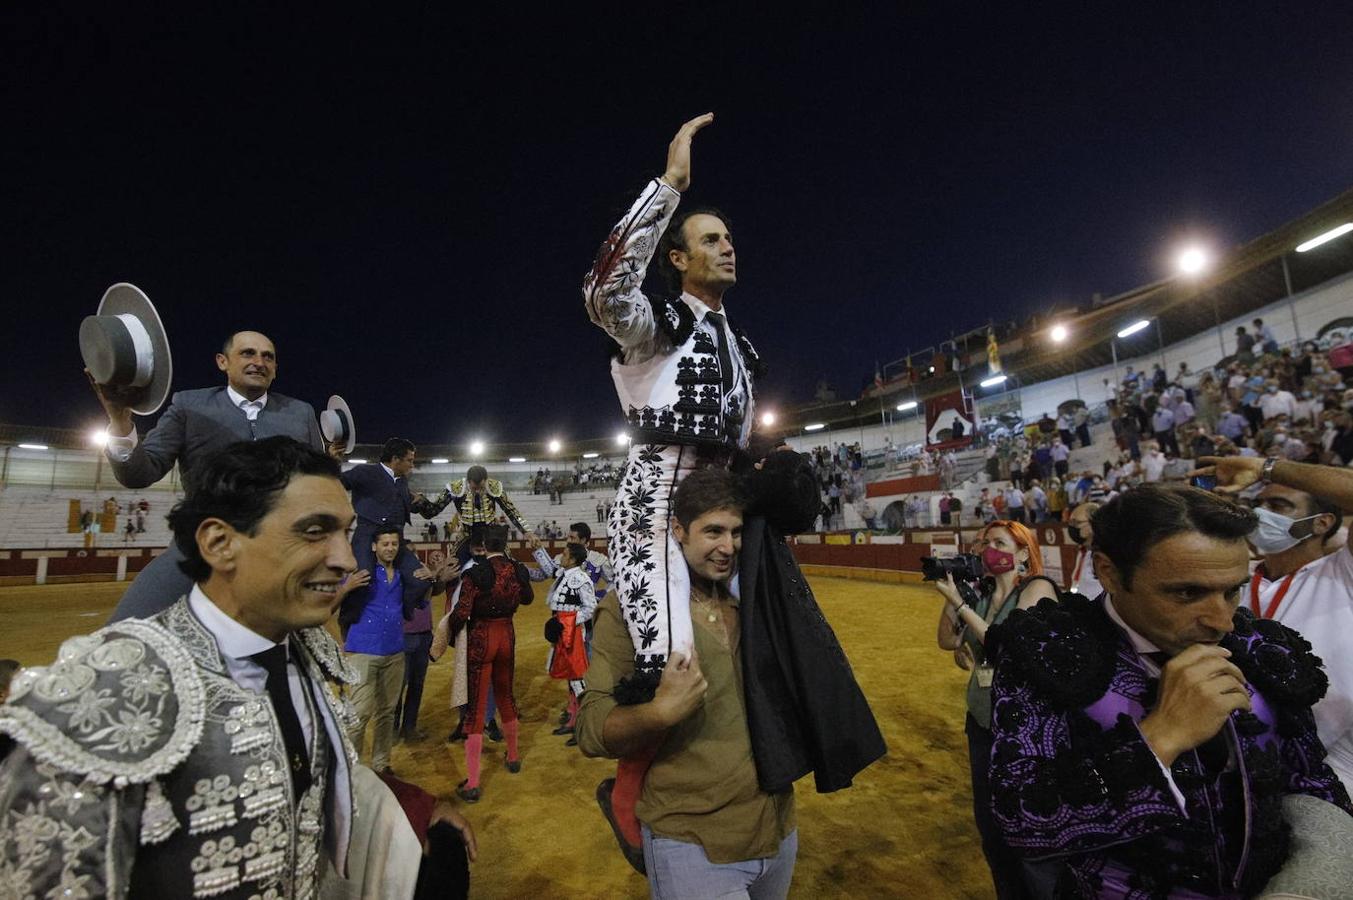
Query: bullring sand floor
{"points": [[903, 830]]}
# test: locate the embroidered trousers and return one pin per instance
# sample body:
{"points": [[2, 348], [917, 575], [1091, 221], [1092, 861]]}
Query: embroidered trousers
{"points": [[652, 583]]}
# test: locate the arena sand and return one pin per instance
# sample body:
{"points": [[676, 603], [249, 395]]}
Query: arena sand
{"points": [[903, 830]]}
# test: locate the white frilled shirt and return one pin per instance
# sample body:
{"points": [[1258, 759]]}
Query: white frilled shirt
{"points": [[668, 376]]}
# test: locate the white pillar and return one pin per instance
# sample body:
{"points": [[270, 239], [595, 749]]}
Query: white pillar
{"points": [[42, 570], [122, 568]]}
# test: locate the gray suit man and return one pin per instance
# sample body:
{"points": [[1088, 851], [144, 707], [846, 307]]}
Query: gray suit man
{"points": [[195, 425]]}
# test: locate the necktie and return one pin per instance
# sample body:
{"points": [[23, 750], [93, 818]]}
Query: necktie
{"points": [[725, 358], [274, 660]]}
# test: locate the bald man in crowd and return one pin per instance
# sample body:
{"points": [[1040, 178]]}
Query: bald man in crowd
{"points": [[195, 425]]}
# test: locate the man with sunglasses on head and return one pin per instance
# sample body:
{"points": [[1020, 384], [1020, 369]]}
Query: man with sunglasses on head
{"points": [[1298, 583]]}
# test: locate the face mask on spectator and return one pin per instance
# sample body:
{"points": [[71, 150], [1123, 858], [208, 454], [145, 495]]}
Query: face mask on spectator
{"points": [[1273, 534], [998, 562], [1074, 531]]}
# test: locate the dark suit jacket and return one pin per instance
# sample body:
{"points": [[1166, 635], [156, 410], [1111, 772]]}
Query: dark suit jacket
{"points": [[198, 423], [377, 498]]}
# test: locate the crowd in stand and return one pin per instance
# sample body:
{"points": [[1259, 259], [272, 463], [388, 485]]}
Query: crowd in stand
{"points": [[597, 474]]}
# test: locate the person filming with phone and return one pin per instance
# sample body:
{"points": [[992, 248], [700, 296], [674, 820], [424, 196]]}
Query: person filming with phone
{"points": [[1003, 573]]}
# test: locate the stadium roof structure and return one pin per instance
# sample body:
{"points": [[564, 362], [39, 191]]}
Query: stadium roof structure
{"points": [[1250, 277]]}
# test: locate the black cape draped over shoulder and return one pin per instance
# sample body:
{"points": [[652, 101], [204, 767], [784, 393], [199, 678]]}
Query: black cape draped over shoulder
{"points": [[805, 711]]}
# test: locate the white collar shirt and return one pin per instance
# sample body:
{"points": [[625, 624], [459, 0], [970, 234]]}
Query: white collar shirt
{"points": [[389, 471], [251, 408]]}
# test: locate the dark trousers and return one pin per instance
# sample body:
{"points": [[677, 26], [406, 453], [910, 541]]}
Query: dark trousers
{"points": [[1066, 436], [1061, 467], [416, 647], [1016, 513], [1167, 441], [1006, 869], [1083, 432]]}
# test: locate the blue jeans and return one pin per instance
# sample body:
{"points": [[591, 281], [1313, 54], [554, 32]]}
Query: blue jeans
{"points": [[681, 871]]}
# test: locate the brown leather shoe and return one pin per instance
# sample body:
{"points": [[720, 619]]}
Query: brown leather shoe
{"points": [[633, 855]]}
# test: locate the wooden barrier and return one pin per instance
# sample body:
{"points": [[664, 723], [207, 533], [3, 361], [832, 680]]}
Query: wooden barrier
{"points": [[855, 557]]}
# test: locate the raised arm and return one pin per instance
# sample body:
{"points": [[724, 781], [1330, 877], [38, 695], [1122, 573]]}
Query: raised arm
{"points": [[612, 289], [1236, 473], [141, 463], [510, 509]]}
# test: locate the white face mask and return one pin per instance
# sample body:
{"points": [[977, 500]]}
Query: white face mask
{"points": [[1273, 534]]}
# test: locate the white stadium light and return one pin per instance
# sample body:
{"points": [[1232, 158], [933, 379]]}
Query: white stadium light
{"points": [[555, 445], [440, 461], [98, 438], [1134, 328], [591, 455], [516, 459], [1060, 333], [1192, 260], [622, 439], [1326, 237], [768, 418], [33, 447], [816, 426], [356, 461], [476, 448], [994, 380], [903, 407]]}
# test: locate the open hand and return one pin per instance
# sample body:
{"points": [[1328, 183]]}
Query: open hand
{"points": [[358, 579], [1233, 473], [678, 174], [445, 812]]}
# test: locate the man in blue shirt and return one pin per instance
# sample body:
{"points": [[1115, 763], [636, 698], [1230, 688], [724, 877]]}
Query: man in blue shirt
{"points": [[375, 647], [1232, 426]]}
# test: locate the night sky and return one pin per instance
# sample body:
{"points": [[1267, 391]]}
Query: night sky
{"points": [[407, 203]]}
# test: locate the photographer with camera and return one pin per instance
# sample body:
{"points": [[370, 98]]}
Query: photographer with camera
{"points": [[1003, 572]]}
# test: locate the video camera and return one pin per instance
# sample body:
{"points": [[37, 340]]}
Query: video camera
{"points": [[965, 567]]}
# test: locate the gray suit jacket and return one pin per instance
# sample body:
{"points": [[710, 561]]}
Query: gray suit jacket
{"points": [[198, 423]]}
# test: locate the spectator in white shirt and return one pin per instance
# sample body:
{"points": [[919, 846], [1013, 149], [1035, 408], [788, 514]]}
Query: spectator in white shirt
{"points": [[1153, 464], [1300, 508], [1277, 402], [1162, 423], [1082, 579]]}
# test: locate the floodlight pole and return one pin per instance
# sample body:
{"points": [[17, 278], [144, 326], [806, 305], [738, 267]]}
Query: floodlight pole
{"points": [[1113, 348], [1291, 303], [1160, 343]]}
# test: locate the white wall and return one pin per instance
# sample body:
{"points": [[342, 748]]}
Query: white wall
{"points": [[1313, 309]]}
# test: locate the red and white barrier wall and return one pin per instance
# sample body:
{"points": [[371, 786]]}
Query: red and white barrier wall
{"points": [[894, 557]]}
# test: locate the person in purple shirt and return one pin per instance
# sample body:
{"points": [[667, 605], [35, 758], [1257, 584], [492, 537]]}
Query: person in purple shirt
{"points": [[375, 647], [1158, 741], [417, 645]]}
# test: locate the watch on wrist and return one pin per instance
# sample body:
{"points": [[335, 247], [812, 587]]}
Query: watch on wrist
{"points": [[1266, 471]]}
